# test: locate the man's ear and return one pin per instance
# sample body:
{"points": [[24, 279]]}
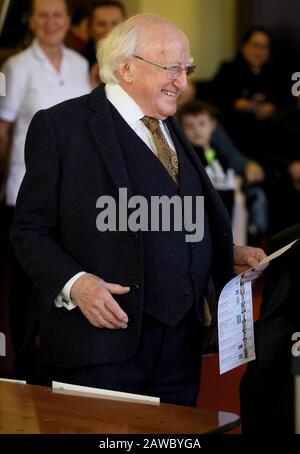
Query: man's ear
{"points": [[126, 72]]}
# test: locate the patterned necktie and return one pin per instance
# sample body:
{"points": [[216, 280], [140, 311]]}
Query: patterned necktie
{"points": [[165, 154]]}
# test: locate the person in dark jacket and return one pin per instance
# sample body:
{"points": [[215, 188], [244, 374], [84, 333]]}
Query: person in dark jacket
{"points": [[284, 160], [245, 89], [267, 397], [121, 305]]}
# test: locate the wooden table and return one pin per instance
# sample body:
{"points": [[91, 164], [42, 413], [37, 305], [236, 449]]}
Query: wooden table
{"points": [[38, 410]]}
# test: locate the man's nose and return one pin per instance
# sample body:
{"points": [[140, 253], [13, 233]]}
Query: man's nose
{"points": [[181, 81]]}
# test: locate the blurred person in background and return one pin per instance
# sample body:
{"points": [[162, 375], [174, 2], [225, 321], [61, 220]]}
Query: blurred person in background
{"points": [[44, 74], [253, 172], [267, 386], [78, 34], [199, 122], [246, 91], [104, 15], [195, 117]]}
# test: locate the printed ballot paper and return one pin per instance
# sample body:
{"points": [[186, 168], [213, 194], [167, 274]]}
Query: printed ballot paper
{"points": [[235, 318]]}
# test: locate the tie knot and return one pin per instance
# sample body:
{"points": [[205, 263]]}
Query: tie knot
{"points": [[151, 123]]}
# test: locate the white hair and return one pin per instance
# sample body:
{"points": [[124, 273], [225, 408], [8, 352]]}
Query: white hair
{"points": [[125, 40], [120, 44]]}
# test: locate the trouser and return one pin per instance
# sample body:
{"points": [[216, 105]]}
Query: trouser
{"points": [[166, 364]]}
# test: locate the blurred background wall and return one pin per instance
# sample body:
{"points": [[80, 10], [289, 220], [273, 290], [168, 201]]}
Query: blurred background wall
{"points": [[209, 24], [213, 26]]}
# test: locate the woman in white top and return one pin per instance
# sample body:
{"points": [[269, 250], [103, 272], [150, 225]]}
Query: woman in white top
{"points": [[41, 76]]}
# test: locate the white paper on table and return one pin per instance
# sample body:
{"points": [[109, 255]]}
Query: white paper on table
{"points": [[235, 319], [105, 393], [10, 380]]}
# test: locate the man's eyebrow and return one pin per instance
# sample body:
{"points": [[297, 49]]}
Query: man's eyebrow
{"points": [[188, 62]]}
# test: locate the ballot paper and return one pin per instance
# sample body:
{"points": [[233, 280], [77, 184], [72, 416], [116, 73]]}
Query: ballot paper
{"points": [[104, 393], [235, 318]]}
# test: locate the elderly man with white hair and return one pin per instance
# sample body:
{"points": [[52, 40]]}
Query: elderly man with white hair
{"points": [[122, 306]]}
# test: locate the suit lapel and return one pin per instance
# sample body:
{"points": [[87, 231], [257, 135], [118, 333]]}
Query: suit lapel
{"points": [[104, 133], [105, 136]]}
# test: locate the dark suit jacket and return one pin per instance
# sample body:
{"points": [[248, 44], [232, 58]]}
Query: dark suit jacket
{"points": [[267, 386], [73, 157]]}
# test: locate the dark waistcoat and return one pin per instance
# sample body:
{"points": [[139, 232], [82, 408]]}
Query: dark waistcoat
{"points": [[175, 271]]}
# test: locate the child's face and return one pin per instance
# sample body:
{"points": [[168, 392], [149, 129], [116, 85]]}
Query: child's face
{"points": [[199, 129]]}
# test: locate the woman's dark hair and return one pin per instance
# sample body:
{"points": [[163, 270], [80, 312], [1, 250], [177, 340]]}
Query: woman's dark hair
{"points": [[256, 29], [67, 3], [80, 14]]}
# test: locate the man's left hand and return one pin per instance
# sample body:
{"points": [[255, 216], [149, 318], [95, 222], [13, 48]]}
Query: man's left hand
{"points": [[245, 257]]}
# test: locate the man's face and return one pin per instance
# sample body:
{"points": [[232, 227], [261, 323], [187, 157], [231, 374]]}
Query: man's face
{"points": [[198, 129], [49, 21], [153, 89], [104, 20]]}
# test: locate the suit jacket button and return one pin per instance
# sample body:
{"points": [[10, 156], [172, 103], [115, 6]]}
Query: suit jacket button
{"points": [[135, 288]]}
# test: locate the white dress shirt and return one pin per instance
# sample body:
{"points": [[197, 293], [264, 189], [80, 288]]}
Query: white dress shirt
{"points": [[32, 83], [132, 114]]}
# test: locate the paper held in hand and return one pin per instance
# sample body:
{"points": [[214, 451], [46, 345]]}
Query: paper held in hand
{"points": [[235, 317]]}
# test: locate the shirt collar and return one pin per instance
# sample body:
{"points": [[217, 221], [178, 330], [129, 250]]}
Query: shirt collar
{"points": [[40, 54], [125, 104]]}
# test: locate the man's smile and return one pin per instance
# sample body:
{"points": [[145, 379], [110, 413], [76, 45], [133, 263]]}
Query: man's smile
{"points": [[169, 93]]}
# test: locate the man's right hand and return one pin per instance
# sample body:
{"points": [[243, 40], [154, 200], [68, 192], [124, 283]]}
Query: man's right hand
{"points": [[94, 298]]}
